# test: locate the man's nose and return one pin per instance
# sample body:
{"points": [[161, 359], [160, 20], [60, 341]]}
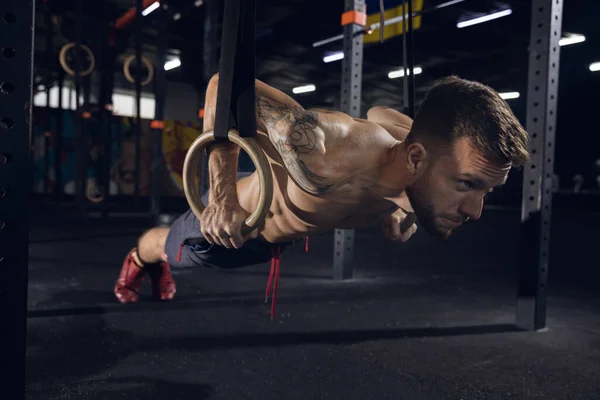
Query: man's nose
{"points": [[472, 207]]}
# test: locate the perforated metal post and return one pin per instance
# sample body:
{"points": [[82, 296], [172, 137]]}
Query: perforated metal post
{"points": [[542, 96], [16, 79], [343, 254]]}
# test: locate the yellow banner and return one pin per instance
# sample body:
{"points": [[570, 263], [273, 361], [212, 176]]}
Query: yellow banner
{"points": [[395, 29]]}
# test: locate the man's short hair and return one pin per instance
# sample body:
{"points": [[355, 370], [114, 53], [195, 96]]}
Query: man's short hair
{"points": [[457, 108]]}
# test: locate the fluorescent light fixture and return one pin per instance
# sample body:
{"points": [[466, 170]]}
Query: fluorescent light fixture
{"points": [[595, 67], [446, 4], [338, 55], [304, 89], [400, 73], [509, 95], [171, 64], [484, 18], [571, 39], [151, 8]]}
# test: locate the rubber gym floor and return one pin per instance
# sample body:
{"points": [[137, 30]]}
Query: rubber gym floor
{"points": [[429, 319]]}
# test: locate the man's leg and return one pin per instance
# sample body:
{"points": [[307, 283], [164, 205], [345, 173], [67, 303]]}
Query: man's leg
{"points": [[151, 246], [182, 246]]}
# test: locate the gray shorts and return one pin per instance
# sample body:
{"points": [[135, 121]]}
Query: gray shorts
{"points": [[186, 247]]}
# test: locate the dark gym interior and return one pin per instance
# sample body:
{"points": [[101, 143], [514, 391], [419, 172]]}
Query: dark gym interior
{"points": [[92, 151]]}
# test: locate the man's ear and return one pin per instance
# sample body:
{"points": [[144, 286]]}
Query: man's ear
{"points": [[416, 158]]}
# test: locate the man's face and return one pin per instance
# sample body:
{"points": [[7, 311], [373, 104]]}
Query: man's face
{"points": [[451, 189]]}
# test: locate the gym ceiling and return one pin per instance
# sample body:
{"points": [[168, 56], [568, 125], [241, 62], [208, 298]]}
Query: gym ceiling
{"points": [[493, 52]]}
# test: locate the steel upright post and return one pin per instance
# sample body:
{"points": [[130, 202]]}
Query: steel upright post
{"points": [[350, 104], [542, 93], [16, 80]]}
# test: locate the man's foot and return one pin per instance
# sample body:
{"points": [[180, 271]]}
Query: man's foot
{"points": [[163, 284], [130, 280]]}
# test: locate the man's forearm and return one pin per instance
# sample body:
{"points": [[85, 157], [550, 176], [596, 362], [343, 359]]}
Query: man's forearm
{"points": [[222, 172], [222, 156]]}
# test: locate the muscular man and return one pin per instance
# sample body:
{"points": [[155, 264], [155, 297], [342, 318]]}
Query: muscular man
{"points": [[333, 171]]}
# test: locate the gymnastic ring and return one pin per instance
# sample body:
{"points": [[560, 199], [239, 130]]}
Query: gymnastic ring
{"points": [[91, 193], [127, 73], [258, 157], [62, 58]]}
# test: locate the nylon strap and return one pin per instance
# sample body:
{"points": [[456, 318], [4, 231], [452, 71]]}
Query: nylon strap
{"points": [[237, 74]]}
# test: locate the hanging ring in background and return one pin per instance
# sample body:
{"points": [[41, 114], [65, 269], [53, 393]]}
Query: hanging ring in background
{"points": [[62, 58], [127, 73]]}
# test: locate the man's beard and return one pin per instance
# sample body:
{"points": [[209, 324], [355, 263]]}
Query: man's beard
{"points": [[424, 211]]}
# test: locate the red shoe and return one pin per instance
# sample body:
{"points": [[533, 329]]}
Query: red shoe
{"points": [[130, 280], [163, 284]]}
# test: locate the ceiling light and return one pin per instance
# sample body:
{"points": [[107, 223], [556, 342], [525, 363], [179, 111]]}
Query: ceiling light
{"points": [[151, 8], [176, 16], [198, 3], [484, 18], [571, 39], [171, 64], [400, 73], [595, 67], [304, 89], [339, 55], [509, 95]]}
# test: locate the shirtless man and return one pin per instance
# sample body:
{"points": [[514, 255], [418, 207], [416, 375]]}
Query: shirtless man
{"points": [[333, 171]]}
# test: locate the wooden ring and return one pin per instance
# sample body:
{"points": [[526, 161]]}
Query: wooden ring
{"points": [[93, 193], [258, 157], [62, 58], [130, 77]]}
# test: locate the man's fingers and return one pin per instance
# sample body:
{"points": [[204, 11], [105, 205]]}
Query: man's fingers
{"points": [[396, 231], [225, 241], [252, 235], [408, 221], [217, 239], [236, 241], [207, 236], [409, 232]]}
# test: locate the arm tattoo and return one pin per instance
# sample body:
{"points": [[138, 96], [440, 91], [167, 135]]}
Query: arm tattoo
{"points": [[292, 132]]}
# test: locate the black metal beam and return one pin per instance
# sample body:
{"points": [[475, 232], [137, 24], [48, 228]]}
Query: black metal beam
{"points": [[160, 85], [209, 67], [16, 80], [544, 57], [48, 83], [106, 58], [58, 140], [410, 61], [80, 147], [139, 4]]}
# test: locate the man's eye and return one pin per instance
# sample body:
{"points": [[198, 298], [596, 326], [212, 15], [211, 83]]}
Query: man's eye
{"points": [[465, 184]]}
